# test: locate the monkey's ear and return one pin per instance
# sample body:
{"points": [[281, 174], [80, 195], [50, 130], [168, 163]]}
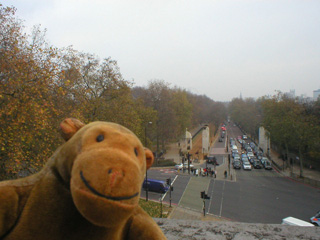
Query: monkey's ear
{"points": [[149, 157], [69, 127]]}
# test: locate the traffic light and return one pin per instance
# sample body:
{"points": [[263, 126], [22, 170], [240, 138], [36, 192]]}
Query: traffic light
{"points": [[203, 194], [168, 181]]}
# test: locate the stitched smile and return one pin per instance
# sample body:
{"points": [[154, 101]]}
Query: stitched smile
{"points": [[102, 195]]}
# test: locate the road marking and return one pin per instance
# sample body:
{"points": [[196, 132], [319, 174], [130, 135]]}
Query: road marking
{"points": [[211, 196], [224, 183], [164, 195], [184, 192]]}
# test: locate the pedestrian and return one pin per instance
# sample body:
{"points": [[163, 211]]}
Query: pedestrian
{"points": [[225, 174]]}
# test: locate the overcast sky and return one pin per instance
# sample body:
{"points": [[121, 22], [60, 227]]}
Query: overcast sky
{"points": [[219, 48]]}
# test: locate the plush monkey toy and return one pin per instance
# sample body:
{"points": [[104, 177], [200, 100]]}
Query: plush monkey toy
{"points": [[89, 189]]}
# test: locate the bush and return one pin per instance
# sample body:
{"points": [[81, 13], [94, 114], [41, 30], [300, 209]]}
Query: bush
{"points": [[164, 163]]}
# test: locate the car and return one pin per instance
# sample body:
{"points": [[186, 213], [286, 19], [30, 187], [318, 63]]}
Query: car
{"points": [[295, 222], [212, 159], [250, 155], [257, 164], [263, 160], [236, 165], [185, 166], [220, 140], [315, 220], [244, 137], [245, 159], [252, 159], [248, 149], [259, 155], [223, 134], [267, 165], [155, 185], [237, 157], [246, 165]]}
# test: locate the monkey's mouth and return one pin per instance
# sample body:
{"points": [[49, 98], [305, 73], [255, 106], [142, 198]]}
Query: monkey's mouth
{"points": [[94, 191]]}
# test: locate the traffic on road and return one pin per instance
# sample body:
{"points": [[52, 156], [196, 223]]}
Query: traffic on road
{"points": [[251, 191]]}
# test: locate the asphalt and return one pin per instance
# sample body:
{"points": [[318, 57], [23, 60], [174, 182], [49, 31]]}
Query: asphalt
{"points": [[181, 211]]}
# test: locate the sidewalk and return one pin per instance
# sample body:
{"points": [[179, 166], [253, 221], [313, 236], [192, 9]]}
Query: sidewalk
{"points": [[189, 214], [310, 176]]}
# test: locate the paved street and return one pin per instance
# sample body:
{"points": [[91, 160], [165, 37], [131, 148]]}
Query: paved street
{"points": [[256, 196]]}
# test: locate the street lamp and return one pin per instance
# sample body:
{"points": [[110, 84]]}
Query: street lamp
{"points": [[145, 144]]}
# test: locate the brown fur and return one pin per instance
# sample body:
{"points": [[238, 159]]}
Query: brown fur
{"points": [[89, 189]]}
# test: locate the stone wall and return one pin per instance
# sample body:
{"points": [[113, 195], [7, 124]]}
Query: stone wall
{"points": [[187, 229]]}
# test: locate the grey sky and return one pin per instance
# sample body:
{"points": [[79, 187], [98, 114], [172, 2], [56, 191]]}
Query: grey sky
{"points": [[216, 47]]}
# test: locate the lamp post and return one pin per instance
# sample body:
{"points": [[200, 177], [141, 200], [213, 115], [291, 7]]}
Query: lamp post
{"points": [[145, 144]]}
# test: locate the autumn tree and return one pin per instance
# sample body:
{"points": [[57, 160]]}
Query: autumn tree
{"points": [[27, 73]]}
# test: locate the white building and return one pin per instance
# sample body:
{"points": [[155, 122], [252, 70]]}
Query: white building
{"points": [[316, 94]]}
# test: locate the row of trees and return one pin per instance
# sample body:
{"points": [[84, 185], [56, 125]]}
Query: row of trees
{"points": [[293, 126], [41, 85]]}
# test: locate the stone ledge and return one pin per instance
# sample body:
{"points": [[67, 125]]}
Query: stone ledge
{"points": [[187, 229]]}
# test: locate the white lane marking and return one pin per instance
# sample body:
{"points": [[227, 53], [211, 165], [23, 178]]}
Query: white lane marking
{"points": [[211, 196], [164, 195], [224, 183], [184, 192]]}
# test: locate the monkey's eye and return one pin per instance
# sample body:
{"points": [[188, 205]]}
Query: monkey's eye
{"points": [[136, 151], [100, 138]]}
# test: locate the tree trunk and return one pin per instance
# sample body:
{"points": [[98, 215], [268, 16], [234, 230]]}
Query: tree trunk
{"points": [[301, 165]]}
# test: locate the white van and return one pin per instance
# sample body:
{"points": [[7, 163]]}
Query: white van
{"points": [[296, 222]]}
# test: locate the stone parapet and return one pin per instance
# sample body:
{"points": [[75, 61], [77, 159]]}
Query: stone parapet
{"points": [[188, 229]]}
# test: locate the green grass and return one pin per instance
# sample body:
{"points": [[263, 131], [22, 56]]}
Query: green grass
{"points": [[154, 208]]}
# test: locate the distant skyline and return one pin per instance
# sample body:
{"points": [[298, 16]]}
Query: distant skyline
{"points": [[217, 48]]}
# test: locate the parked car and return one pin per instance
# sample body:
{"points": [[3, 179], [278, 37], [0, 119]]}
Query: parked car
{"points": [[185, 166], [246, 165], [244, 137], [237, 165], [155, 185], [315, 220], [256, 164]]}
